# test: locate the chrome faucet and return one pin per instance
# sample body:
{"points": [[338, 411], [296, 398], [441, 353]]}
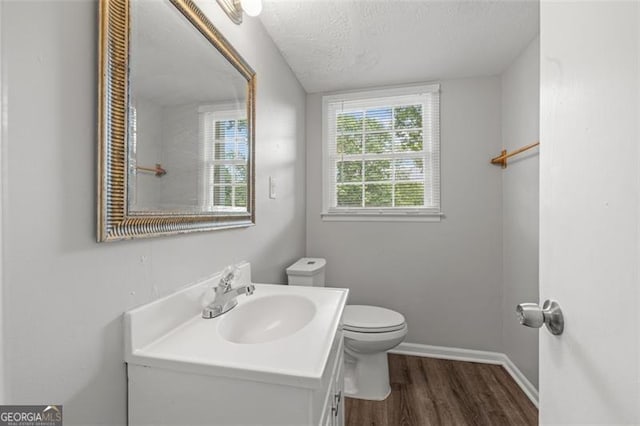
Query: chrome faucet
{"points": [[225, 297]]}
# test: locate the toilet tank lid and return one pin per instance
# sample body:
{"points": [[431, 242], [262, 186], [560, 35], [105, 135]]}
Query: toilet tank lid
{"points": [[307, 266]]}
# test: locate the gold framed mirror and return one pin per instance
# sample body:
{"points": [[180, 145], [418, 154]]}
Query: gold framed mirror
{"points": [[176, 123]]}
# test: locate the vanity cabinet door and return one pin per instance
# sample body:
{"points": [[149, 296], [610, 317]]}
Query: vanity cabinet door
{"points": [[338, 395], [328, 417], [333, 411]]}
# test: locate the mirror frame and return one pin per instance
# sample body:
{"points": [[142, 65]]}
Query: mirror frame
{"points": [[115, 222]]}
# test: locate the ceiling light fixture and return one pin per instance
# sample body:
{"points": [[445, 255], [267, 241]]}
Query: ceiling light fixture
{"points": [[234, 8]]}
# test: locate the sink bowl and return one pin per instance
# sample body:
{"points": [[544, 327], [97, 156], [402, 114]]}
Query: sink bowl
{"points": [[267, 318]]}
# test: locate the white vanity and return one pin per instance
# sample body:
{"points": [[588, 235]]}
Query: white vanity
{"points": [[275, 359]]}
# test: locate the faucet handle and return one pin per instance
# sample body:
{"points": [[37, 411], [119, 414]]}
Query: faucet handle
{"points": [[228, 275]]}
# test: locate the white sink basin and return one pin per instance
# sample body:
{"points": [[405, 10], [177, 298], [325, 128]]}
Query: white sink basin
{"points": [[266, 319]]}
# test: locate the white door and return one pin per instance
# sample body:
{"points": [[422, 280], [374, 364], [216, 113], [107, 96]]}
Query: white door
{"points": [[3, 130], [589, 210]]}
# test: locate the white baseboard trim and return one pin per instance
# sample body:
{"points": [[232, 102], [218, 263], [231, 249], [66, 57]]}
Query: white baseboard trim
{"points": [[524, 383], [458, 354]]}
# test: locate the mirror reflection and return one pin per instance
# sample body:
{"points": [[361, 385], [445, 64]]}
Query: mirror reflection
{"points": [[188, 136]]}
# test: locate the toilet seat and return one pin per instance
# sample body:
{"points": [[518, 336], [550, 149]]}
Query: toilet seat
{"points": [[371, 319], [376, 336], [346, 327]]}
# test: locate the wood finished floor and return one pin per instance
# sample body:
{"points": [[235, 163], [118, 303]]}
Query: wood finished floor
{"points": [[429, 391]]}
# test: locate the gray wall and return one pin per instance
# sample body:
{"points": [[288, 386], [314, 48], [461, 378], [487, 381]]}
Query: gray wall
{"points": [[446, 277], [64, 294], [181, 145], [520, 205]]}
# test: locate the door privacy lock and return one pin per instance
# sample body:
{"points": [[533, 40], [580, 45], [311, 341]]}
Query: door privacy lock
{"points": [[531, 315]]}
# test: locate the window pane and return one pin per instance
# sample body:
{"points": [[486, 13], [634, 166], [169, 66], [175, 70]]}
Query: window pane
{"points": [[378, 119], [225, 129], [408, 141], [225, 151], [240, 174], [349, 171], [242, 128], [377, 195], [222, 196], [408, 117], [377, 170], [350, 122], [222, 174], [410, 169], [241, 196], [409, 194], [219, 150], [219, 130], [242, 149], [378, 143], [349, 196], [349, 144]]}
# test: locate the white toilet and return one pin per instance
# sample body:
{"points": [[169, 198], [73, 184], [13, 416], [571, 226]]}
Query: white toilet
{"points": [[369, 332]]}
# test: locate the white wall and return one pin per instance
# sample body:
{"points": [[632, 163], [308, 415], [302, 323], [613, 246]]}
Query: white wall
{"points": [[65, 293], [444, 277], [520, 205]]}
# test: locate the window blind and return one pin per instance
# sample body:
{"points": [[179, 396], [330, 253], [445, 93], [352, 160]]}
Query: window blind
{"points": [[382, 152]]}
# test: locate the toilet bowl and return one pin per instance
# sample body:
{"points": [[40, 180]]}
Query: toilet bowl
{"points": [[369, 332]]}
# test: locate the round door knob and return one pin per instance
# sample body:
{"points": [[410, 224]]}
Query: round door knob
{"points": [[532, 315]]}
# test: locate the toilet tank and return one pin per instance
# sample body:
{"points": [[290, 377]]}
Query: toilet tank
{"points": [[307, 271]]}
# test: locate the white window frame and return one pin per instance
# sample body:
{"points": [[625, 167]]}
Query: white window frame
{"points": [[209, 115], [421, 214]]}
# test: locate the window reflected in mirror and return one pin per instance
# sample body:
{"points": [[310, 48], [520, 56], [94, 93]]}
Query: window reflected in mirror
{"points": [[226, 147]]}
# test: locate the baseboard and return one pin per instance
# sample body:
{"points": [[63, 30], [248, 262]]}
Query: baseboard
{"points": [[470, 355], [444, 352], [522, 381]]}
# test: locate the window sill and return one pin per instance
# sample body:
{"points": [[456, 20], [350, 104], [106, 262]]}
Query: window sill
{"points": [[381, 217]]}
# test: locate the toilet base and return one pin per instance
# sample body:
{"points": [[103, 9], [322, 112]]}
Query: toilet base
{"points": [[366, 376]]}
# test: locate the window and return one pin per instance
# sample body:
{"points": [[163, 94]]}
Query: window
{"points": [[225, 152], [382, 154]]}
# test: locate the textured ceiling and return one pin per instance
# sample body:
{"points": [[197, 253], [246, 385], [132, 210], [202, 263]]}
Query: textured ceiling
{"points": [[347, 44]]}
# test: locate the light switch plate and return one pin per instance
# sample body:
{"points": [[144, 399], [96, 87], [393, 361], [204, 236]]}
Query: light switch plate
{"points": [[272, 187]]}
